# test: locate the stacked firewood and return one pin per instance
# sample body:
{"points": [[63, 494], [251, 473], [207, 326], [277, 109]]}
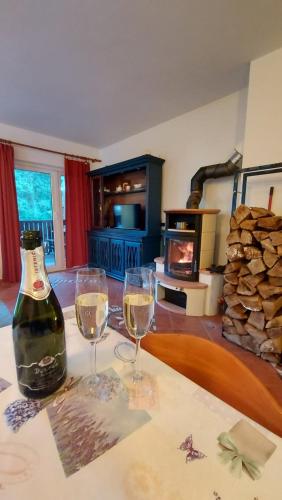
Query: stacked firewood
{"points": [[253, 282]]}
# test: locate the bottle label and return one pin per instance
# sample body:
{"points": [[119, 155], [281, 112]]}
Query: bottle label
{"points": [[34, 282], [40, 375]]}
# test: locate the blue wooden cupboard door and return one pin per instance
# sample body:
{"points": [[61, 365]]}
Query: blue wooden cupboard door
{"points": [[104, 253], [117, 257], [132, 254]]}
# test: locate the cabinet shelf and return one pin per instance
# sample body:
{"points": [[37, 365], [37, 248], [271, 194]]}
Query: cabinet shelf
{"points": [[116, 193]]}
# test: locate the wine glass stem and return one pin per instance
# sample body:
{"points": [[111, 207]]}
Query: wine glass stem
{"points": [[93, 362], [137, 373]]}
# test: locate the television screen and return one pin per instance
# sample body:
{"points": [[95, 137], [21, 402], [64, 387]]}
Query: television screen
{"points": [[127, 216]]}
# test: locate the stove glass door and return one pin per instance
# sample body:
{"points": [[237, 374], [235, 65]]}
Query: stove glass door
{"points": [[180, 255]]}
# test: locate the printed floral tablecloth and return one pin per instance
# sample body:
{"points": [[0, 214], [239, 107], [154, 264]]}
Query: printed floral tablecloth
{"points": [[158, 441]]}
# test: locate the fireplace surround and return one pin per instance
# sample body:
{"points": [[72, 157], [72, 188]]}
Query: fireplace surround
{"points": [[189, 240]]}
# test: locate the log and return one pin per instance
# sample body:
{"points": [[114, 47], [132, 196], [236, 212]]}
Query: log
{"points": [[241, 213], [276, 237], [236, 339], [233, 223], [248, 224], [270, 258], [271, 306], [244, 288], [257, 320], [228, 289], [271, 357], [257, 334], [232, 300], [235, 252], [252, 252], [272, 223], [277, 321], [258, 212], [272, 345], [231, 278], [260, 235], [266, 290], [279, 250], [226, 321], [240, 327], [274, 332], [244, 270], [274, 280], [232, 266], [234, 237], [246, 237], [230, 329], [256, 266], [267, 245], [276, 270], [251, 343], [253, 303], [254, 280], [236, 312], [274, 327]]}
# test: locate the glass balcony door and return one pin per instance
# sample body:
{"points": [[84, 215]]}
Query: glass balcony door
{"points": [[41, 197]]}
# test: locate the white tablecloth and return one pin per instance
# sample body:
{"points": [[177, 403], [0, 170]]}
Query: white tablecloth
{"points": [[147, 463]]}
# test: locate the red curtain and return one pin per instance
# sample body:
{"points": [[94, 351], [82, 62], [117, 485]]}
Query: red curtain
{"points": [[78, 211], [9, 219]]}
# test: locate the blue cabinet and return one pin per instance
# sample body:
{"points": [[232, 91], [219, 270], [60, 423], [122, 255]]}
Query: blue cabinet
{"points": [[136, 182]]}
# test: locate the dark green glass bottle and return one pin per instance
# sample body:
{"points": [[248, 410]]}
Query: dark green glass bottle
{"points": [[38, 325]]}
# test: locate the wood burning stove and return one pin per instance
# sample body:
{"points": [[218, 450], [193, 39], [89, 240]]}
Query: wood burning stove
{"points": [[189, 242]]}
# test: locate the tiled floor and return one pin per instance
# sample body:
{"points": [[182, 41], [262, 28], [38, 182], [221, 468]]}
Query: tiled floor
{"points": [[207, 327]]}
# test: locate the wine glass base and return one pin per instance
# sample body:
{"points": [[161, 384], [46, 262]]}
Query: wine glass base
{"points": [[103, 387], [140, 380], [142, 391]]}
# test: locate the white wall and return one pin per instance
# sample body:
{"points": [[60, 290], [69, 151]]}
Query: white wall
{"points": [[205, 136], [40, 157], [263, 135]]}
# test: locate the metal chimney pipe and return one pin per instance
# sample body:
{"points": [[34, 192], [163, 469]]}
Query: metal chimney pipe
{"points": [[212, 172]]}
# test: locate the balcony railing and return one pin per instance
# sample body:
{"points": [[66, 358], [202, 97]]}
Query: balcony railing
{"points": [[44, 226], [47, 232]]}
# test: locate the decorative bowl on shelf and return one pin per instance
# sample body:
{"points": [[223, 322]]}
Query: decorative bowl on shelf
{"points": [[137, 186]]}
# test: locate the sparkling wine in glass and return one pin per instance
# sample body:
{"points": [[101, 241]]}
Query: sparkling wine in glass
{"points": [[91, 307], [138, 307]]}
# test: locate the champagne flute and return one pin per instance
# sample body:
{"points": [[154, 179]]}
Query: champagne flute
{"points": [[91, 307], [138, 308]]}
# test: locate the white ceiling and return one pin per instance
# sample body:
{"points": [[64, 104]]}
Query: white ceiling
{"points": [[97, 71]]}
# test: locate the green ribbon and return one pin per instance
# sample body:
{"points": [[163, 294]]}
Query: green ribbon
{"points": [[230, 453]]}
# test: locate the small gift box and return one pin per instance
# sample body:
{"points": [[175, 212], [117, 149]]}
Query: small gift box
{"points": [[245, 448]]}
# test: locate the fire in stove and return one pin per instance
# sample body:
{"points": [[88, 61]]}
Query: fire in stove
{"points": [[180, 257], [187, 250]]}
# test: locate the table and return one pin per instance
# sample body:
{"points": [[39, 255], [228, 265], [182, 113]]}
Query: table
{"points": [[146, 462]]}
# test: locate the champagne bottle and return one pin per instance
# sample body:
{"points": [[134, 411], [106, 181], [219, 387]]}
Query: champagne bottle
{"points": [[38, 325]]}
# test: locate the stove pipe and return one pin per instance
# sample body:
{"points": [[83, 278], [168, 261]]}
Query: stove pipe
{"points": [[212, 172]]}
